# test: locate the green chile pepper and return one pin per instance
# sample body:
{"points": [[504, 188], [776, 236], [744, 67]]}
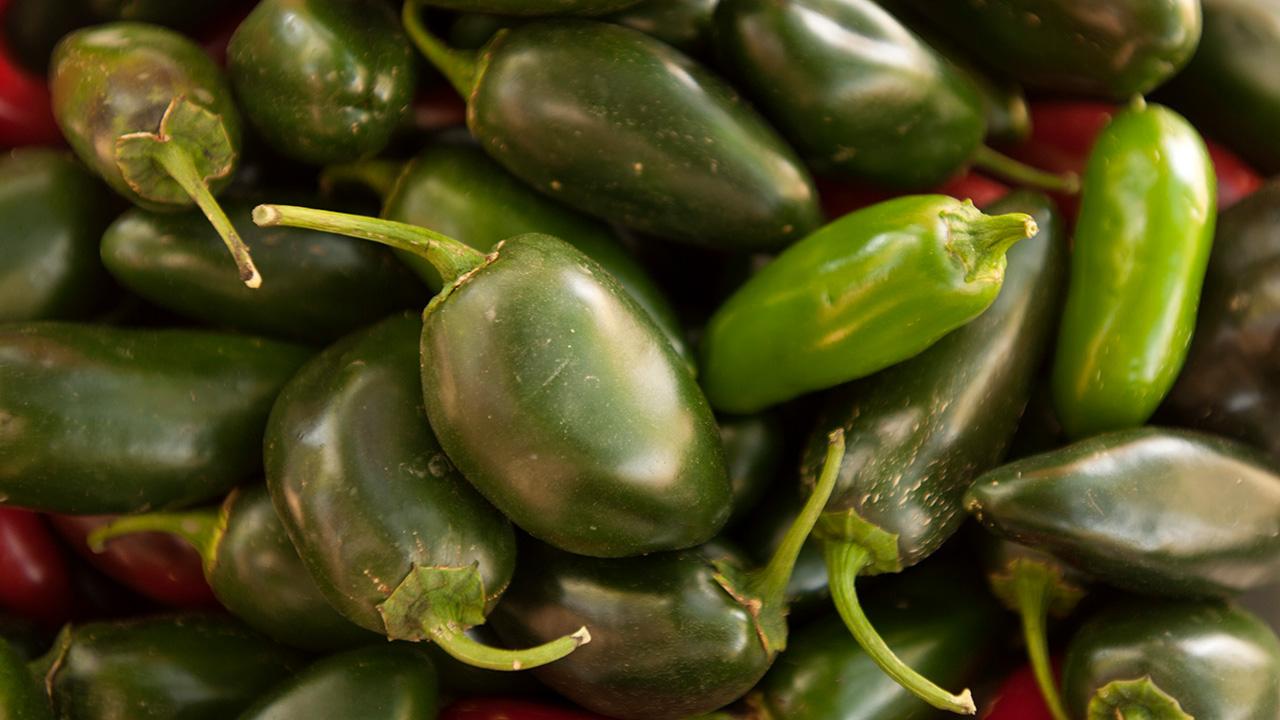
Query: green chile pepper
{"points": [[1173, 661], [1157, 511], [253, 569], [1142, 244], [150, 112], [393, 536], [192, 667], [533, 7], [54, 212], [323, 81], [109, 420], [322, 286], [20, 697], [871, 289], [682, 24], [919, 432], [1228, 384], [663, 147], [383, 682], [555, 394]]}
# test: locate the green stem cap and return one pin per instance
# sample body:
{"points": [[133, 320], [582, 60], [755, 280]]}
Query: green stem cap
{"points": [[459, 67], [1139, 699], [202, 528], [1005, 167]]}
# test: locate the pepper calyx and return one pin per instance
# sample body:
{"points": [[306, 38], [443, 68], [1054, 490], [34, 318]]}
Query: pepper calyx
{"points": [[1139, 699]]}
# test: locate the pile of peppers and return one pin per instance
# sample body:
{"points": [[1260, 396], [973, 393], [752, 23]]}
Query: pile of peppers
{"points": [[639, 359]]}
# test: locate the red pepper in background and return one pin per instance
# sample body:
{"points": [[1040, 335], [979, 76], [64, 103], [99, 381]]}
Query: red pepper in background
{"points": [[840, 197], [26, 117], [1018, 698], [504, 709], [438, 106], [156, 565], [34, 582]]}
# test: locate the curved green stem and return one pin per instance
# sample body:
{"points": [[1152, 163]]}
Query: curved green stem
{"points": [[1033, 589], [201, 528], [458, 66], [845, 561], [178, 164], [458, 644], [449, 257], [379, 176], [1007, 168]]}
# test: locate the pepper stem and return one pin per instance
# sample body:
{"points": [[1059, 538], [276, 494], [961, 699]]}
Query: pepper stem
{"points": [[458, 66], [845, 561], [379, 176], [1005, 167], [178, 164], [449, 257], [459, 645], [1034, 589], [201, 528]]}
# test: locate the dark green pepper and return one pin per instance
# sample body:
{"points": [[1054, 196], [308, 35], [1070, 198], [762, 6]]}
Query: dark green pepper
{"points": [[383, 682], [323, 81], [21, 698], [99, 419], [869, 290], [1165, 512], [160, 668], [555, 394], [150, 112], [322, 286], [682, 24], [533, 7], [1229, 384], [920, 431], [753, 447], [393, 536], [1142, 243], [1173, 661], [54, 212], [623, 126]]}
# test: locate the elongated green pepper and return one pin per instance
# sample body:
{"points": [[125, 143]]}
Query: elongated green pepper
{"points": [[20, 697], [1141, 248]]}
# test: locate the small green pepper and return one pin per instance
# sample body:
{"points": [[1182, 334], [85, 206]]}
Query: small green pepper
{"points": [[150, 112], [21, 698]]}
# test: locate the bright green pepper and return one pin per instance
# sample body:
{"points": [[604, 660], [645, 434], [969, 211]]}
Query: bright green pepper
{"points": [[1141, 248], [21, 698]]}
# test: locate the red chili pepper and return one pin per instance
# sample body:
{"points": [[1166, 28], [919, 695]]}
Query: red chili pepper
{"points": [[438, 106], [1018, 698], [156, 565], [26, 116], [503, 709], [840, 198], [34, 581]]}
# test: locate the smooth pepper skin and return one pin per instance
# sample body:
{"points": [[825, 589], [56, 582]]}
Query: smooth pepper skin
{"points": [[194, 667], [534, 7], [856, 92], [101, 420], [21, 698], [1152, 510], [1113, 49], [322, 286], [381, 682], [1228, 385], [562, 403], [682, 24], [1217, 661], [869, 290], [323, 81], [663, 147], [54, 212], [1141, 248], [753, 450]]}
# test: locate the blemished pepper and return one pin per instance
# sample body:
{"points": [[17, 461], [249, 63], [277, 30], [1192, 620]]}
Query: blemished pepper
{"points": [[34, 578], [1173, 661], [323, 286], [663, 147], [323, 81], [54, 213], [1100, 504], [148, 111], [194, 667], [381, 682], [920, 432], [1228, 384], [673, 634], [1141, 247], [392, 535], [555, 394], [103, 420], [21, 697]]}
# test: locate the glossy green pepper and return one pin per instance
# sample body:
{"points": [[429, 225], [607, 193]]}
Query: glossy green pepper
{"points": [[383, 682], [1110, 48], [664, 147], [753, 446], [322, 286], [150, 112], [919, 432], [1142, 244], [1228, 384], [323, 81], [54, 212], [193, 667], [1164, 512], [107, 420], [555, 394], [394, 538], [871, 289], [253, 569], [21, 698], [1173, 661]]}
